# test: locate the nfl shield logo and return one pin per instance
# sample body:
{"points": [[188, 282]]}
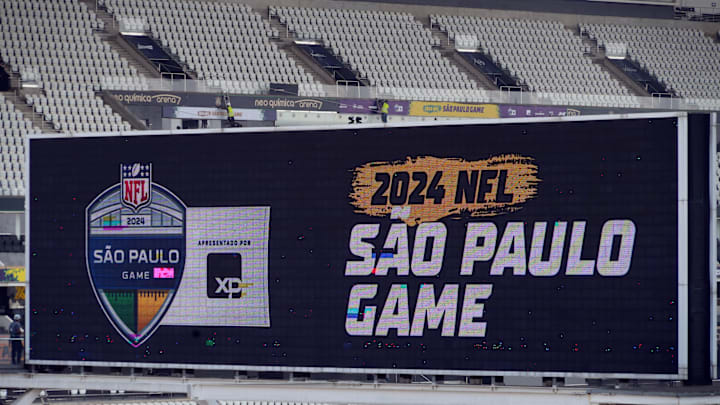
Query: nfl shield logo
{"points": [[135, 180], [135, 251]]}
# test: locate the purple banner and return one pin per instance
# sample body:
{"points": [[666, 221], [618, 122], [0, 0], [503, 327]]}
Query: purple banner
{"points": [[366, 106], [510, 111]]}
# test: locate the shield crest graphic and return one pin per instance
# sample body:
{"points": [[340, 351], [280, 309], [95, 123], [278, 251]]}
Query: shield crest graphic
{"points": [[135, 251]]}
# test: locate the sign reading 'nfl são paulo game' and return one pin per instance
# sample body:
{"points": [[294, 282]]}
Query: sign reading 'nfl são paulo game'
{"points": [[460, 249]]}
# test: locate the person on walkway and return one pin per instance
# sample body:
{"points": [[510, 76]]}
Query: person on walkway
{"points": [[384, 110], [16, 334], [230, 112]]}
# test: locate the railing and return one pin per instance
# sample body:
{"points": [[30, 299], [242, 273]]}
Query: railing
{"points": [[171, 77], [663, 100], [709, 14], [513, 94]]}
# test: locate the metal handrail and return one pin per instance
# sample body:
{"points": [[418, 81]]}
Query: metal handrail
{"points": [[510, 88], [347, 84], [513, 93], [181, 76], [663, 99]]}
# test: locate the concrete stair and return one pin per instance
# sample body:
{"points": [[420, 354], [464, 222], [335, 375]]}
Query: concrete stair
{"points": [[448, 51], [111, 26], [598, 57], [275, 24], [112, 37], [17, 96], [38, 121], [122, 47], [286, 42], [307, 63]]}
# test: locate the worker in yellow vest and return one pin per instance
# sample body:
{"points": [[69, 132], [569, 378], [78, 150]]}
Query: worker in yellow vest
{"points": [[384, 110], [230, 113]]}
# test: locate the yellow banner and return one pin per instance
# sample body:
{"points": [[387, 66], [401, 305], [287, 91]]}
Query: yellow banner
{"points": [[463, 110], [12, 275]]}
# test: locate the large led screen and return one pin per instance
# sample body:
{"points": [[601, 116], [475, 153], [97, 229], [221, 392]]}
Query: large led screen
{"points": [[537, 248]]}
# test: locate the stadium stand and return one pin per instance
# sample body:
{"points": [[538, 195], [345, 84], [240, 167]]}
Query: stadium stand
{"points": [[62, 48], [14, 127], [683, 59], [53, 45], [234, 52], [544, 55], [393, 51]]}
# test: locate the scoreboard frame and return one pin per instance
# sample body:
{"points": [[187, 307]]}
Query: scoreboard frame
{"points": [[683, 242]]}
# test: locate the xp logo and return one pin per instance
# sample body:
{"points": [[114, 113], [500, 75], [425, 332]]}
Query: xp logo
{"points": [[135, 241], [224, 276], [432, 108], [229, 286]]}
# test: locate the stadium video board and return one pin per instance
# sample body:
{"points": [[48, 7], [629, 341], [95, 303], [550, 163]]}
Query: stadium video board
{"points": [[520, 247]]}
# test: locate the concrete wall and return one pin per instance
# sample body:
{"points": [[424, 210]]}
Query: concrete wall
{"points": [[13, 259], [297, 118], [12, 223], [569, 12], [560, 6]]}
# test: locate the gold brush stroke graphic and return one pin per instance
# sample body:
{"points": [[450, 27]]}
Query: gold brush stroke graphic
{"points": [[521, 182]]}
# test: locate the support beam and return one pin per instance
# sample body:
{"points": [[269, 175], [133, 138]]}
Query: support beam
{"points": [[210, 390], [93, 382], [396, 394]]}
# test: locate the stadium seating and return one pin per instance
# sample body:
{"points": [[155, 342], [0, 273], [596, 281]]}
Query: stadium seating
{"points": [[393, 51], [13, 129], [542, 54], [683, 59], [52, 44], [226, 43]]}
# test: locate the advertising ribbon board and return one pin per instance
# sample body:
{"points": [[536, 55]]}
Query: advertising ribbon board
{"points": [[216, 100], [517, 111], [203, 113], [446, 109], [541, 247], [365, 106]]}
